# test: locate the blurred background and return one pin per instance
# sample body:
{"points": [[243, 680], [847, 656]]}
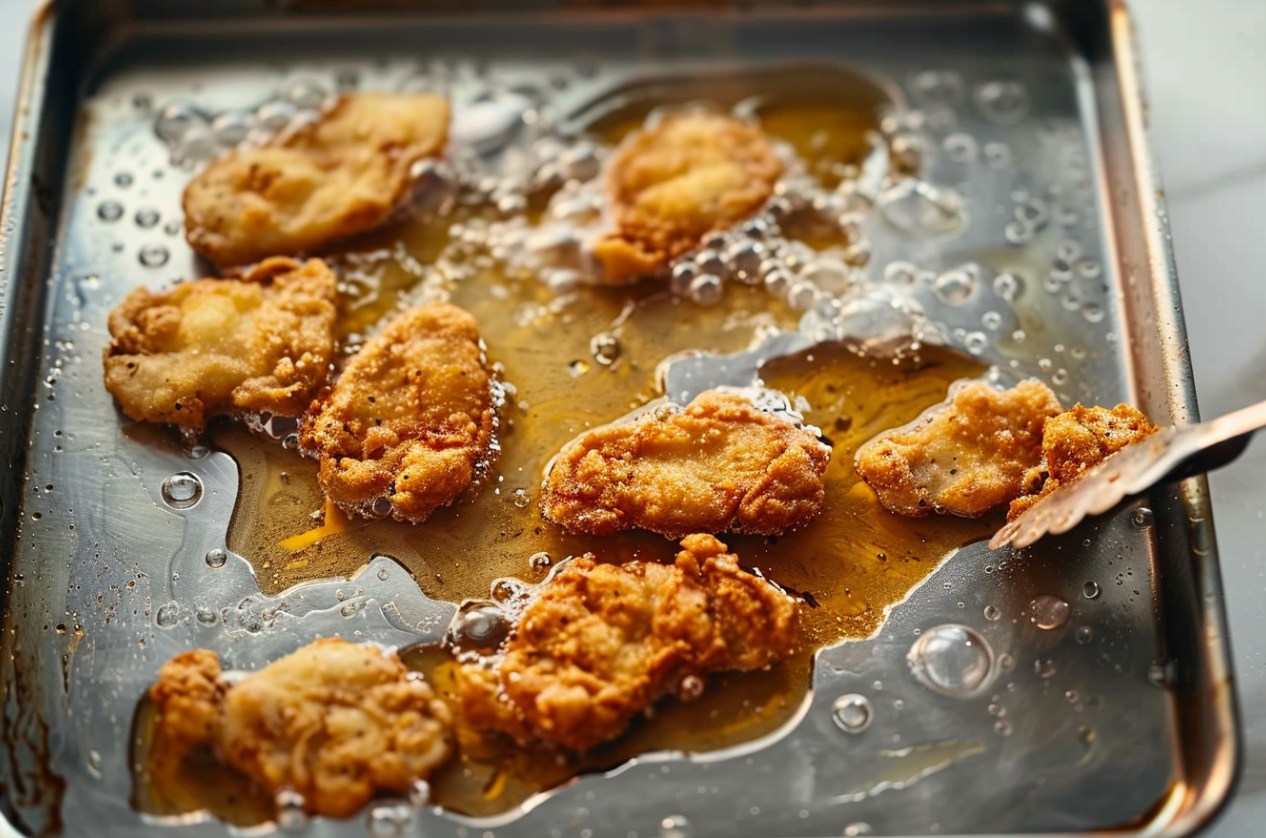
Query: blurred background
{"points": [[1203, 68]]}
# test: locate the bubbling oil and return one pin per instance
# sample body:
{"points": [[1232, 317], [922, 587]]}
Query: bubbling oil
{"points": [[574, 358]]}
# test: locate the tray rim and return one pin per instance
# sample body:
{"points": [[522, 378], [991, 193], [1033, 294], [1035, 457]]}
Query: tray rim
{"points": [[1186, 809]]}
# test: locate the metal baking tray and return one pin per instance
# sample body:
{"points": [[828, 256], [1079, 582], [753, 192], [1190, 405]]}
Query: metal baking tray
{"points": [[1121, 719]]}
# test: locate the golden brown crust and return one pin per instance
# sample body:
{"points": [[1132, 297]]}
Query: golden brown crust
{"points": [[672, 184], [720, 464], [600, 643], [316, 184], [411, 418], [1075, 441], [214, 346], [337, 722], [963, 457]]}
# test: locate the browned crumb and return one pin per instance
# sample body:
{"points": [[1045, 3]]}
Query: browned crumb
{"points": [[316, 184], [720, 464], [600, 643], [963, 457], [411, 419], [214, 346], [336, 722], [1075, 441], [672, 184]]}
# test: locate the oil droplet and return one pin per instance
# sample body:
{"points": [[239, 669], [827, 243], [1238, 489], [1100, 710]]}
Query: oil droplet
{"points": [[1044, 667], [992, 613], [420, 793], [1084, 635], [383, 574], [478, 626], [956, 286], [216, 557], [577, 368], [952, 660], [1163, 674], [1049, 611], [123, 179], [539, 561], [855, 829], [94, 763], [1006, 286], [1003, 102], [205, 616], [290, 814], [147, 217], [1002, 727], [182, 490], [154, 255], [168, 615], [388, 821], [675, 826], [921, 209], [521, 498], [1142, 518], [1091, 590], [110, 211], [605, 348], [852, 713]]}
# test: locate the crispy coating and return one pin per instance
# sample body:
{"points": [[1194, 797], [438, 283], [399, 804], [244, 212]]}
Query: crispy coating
{"points": [[600, 643], [337, 722], [672, 184], [720, 464], [1076, 441], [214, 346], [411, 419], [317, 183], [963, 457]]}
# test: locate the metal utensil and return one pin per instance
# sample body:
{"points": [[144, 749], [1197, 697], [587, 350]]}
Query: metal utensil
{"points": [[1171, 454]]}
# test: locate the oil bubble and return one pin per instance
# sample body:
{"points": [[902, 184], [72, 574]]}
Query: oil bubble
{"points": [[478, 626], [147, 217], [1084, 635], [1006, 286], [957, 285], [937, 87], [605, 348], [520, 498], [216, 557], [961, 148], [919, 208], [182, 490], [952, 660], [1003, 102], [1091, 590], [304, 93], [992, 613], [1048, 611], [231, 127], [675, 826], [901, 273], [291, 816], [110, 211], [168, 615], [174, 121], [154, 255], [388, 821], [852, 713], [1142, 518]]}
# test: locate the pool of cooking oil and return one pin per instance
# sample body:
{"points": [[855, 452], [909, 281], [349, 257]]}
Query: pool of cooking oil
{"points": [[850, 565]]}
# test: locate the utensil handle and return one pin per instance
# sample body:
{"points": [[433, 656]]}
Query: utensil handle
{"points": [[1224, 439]]}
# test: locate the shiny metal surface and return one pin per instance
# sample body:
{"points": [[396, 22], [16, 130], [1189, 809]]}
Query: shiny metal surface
{"points": [[1128, 724]]}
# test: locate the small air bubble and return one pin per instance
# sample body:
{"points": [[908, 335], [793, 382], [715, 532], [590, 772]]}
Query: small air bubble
{"points": [[182, 490], [154, 255], [852, 713]]}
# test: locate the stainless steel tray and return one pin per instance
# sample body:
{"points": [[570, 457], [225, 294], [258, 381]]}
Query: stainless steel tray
{"points": [[1122, 718]]}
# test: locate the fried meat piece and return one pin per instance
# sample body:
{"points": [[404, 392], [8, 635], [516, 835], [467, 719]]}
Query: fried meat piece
{"points": [[337, 722], [411, 419], [317, 183], [214, 346], [672, 184], [720, 464], [1074, 442], [600, 643], [963, 457]]}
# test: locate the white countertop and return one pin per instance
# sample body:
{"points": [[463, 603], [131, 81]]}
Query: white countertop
{"points": [[1204, 67]]}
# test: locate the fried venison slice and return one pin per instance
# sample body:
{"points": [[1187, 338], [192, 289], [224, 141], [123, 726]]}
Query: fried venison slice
{"points": [[721, 464], [411, 421], [316, 183], [339, 723], [600, 643], [206, 347], [671, 184]]}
